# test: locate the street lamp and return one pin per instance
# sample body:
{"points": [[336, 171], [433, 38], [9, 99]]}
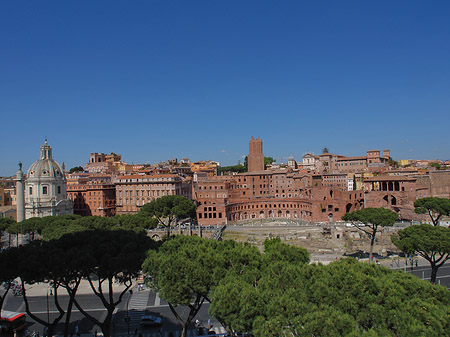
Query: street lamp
{"points": [[128, 317]]}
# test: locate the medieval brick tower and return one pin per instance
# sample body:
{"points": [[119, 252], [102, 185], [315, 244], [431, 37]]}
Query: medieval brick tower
{"points": [[255, 155]]}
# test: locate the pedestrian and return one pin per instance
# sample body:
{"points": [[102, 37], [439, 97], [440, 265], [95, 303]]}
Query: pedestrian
{"points": [[197, 325], [209, 324]]}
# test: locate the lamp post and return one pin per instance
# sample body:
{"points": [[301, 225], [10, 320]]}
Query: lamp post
{"points": [[128, 317], [48, 313]]}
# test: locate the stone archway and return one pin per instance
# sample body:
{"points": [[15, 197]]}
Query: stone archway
{"points": [[348, 208], [156, 237]]}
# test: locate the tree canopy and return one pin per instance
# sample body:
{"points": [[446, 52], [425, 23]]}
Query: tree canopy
{"points": [[233, 168], [183, 272], [102, 257], [268, 161], [168, 209], [344, 298], [76, 169], [432, 243], [434, 207], [275, 250], [371, 218]]}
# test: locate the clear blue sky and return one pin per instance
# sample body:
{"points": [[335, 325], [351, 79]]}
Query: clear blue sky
{"points": [[154, 80]]}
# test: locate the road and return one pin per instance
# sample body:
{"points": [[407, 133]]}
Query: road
{"points": [[423, 271], [138, 303]]}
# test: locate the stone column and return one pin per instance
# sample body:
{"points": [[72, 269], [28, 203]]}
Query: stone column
{"points": [[20, 194]]}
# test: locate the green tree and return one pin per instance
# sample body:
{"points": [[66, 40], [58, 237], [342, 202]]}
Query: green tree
{"points": [[76, 169], [434, 207], [183, 271], [235, 168], [168, 209], [344, 298], [8, 271], [275, 250], [4, 224], [234, 301], [34, 265], [268, 161], [371, 219], [116, 255], [392, 162], [59, 263], [432, 243]]}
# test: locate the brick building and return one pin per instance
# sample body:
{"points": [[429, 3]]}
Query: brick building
{"points": [[255, 155], [133, 191], [92, 194], [328, 162], [283, 193]]}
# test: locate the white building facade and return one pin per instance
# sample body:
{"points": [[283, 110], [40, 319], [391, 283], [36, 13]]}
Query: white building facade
{"points": [[45, 187]]}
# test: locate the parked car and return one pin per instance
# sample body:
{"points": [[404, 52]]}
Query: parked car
{"points": [[151, 320]]}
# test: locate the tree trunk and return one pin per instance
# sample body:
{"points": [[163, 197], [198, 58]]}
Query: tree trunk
{"points": [[372, 242], [434, 270], [184, 331], [106, 326], [68, 315]]}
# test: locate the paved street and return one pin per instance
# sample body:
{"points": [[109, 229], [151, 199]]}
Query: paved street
{"points": [[423, 271], [147, 302], [138, 304]]}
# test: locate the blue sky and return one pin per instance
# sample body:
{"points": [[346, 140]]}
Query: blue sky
{"points": [[154, 80]]}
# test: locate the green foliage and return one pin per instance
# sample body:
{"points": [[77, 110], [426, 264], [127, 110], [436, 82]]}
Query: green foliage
{"points": [[372, 218], [76, 169], [182, 268], [375, 216], [436, 165], [231, 169], [430, 242], [275, 250], [183, 271], [5, 223], [434, 207], [344, 298], [168, 209], [101, 256], [268, 161], [392, 162], [53, 227]]}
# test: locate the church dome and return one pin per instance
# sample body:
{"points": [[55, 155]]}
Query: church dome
{"points": [[45, 168], [45, 187]]}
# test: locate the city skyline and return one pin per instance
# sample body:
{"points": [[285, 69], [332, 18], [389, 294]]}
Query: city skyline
{"points": [[154, 80]]}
